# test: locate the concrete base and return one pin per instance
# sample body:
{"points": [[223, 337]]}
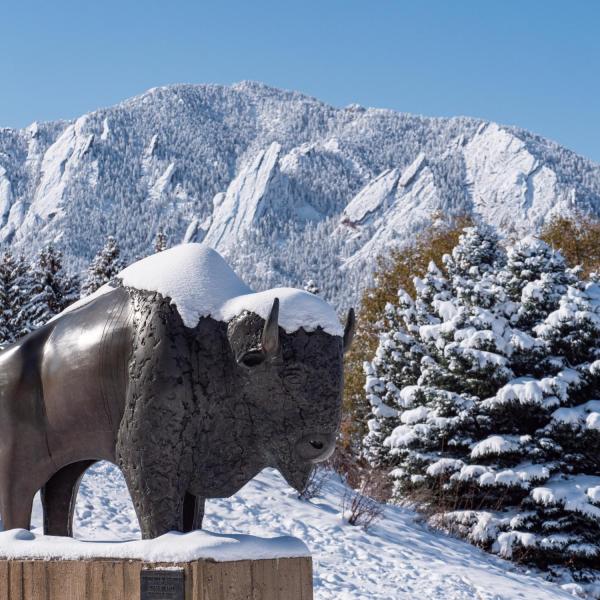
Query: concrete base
{"points": [[111, 579]]}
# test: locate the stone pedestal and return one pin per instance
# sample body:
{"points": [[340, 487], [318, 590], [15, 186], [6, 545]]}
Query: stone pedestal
{"points": [[117, 579]]}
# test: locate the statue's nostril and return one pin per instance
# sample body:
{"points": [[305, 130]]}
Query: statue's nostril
{"points": [[315, 447]]}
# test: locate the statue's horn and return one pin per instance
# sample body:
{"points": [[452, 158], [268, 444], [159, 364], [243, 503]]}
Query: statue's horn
{"points": [[270, 335], [349, 329]]}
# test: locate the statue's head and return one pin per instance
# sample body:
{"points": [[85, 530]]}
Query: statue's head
{"points": [[291, 382]]}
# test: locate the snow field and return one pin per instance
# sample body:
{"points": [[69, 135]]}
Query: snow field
{"points": [[398, 558]]}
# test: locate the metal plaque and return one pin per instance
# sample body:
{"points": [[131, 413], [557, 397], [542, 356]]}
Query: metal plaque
{"points": [[156, 584]]}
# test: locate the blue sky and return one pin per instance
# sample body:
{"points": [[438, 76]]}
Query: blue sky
{"points": [[533, 63]]}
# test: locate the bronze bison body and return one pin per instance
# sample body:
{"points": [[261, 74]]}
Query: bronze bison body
{"points": [[186, 412]]}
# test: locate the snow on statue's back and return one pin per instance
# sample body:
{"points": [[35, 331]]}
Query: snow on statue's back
{"points": [[195, 277], [201, 284]]}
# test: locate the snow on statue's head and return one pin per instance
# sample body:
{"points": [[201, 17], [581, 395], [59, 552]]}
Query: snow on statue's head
{"points": [[292, 385]]}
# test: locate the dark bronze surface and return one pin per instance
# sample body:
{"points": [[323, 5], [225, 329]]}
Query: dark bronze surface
{"points": [[187, 414]]}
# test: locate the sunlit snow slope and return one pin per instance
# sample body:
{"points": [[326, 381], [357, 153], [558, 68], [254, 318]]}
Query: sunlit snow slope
{"points": [[396, 559]]}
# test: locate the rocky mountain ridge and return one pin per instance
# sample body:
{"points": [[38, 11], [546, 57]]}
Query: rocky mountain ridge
{"points": [[286, 187]]}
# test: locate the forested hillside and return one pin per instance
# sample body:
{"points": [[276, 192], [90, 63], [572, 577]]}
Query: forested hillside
{"points": [[285, 186]]}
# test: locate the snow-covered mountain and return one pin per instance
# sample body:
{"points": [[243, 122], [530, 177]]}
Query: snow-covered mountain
{"points": [[285, 186]]}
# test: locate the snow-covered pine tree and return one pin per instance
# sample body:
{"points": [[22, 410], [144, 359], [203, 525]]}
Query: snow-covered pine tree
{"points": [[105, 265], [560, 522], [311, 287], [469, 388], [453, 353], [8, 274], [21, 293], [160, 241], [51, 290], [395, 367], [535, 276]]}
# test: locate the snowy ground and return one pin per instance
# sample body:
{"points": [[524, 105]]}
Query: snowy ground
{"points": [[398, 558]]}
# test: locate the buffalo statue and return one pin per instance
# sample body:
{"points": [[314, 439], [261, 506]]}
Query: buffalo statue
{"points": [[182, 376]]}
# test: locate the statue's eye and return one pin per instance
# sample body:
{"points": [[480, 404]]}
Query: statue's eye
{"points": [[293, 378], [252, 358]]}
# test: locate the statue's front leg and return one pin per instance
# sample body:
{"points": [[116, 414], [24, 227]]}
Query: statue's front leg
{"points": [[154, 454], [157, 431], [158, 496]]}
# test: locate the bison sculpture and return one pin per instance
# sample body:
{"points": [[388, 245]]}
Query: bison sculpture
{"points": [[182, 376]]}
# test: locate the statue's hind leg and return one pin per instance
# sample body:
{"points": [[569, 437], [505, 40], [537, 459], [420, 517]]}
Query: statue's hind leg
{"points": [[24, 468], [15, 507], [59, 496], [193, 512]]}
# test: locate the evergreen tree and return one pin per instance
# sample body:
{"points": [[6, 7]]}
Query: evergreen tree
{"points": [[395, 367], [311, 287], [561, 520], [22, 291], [535, 277], [49, 290], [483, 400], [393, 272], [106, 264], [8, 273], [160, 241]]}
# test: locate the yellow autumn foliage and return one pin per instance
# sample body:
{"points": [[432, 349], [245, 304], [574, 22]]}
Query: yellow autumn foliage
{"points": [[578, 238]]}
